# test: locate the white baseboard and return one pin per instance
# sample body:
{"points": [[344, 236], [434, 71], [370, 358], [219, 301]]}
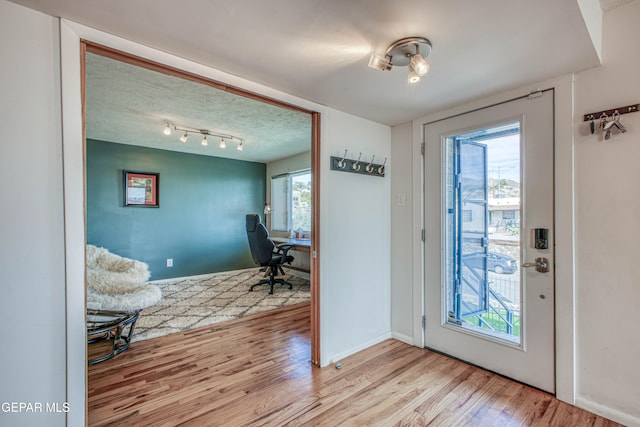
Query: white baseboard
{"points": [[301, 274], [607, 412], [339, 356], [199, 276], [402, 337]]}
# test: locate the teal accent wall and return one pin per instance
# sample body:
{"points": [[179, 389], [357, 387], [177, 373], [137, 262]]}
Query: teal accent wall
{"points": [[201, 219]]}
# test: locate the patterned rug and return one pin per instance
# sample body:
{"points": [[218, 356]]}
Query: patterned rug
{"points": [[194, 302]]}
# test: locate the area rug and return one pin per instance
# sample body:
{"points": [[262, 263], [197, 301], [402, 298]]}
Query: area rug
{"points": [[195, 302]]}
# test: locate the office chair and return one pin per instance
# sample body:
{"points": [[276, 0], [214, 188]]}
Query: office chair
{"points": [[266, 254]]}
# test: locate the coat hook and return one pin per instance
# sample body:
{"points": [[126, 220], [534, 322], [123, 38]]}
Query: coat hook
{"points": [[603, 120], [341, 163], [381, 168], [356, 165], [616, 122], [369, 167]]}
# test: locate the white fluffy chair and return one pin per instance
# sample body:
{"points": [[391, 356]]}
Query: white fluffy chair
{"points": [[116, 292], [118, 283]]}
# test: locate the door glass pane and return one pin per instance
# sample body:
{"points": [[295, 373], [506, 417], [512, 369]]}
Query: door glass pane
{"points": [[482, 195]]}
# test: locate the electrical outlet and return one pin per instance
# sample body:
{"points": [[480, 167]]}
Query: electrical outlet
{"points": [[169, 262]]}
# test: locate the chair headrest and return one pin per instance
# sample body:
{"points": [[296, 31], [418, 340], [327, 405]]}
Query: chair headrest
{"points": [[252, 221]]}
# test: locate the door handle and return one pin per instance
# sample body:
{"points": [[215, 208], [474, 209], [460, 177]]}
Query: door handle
{"points": [[541, 265]]}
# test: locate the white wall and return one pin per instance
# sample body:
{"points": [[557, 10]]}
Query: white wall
{"points": [[355, 239], [32, 275], [402, 233], [607, 228]]}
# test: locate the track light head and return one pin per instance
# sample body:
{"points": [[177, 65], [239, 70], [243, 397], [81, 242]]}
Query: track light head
{"points": [[380, 62], [222, 143], [204, 141], [184, 137], [413, 76], [167, 129], [419, 64], [240, 146]]}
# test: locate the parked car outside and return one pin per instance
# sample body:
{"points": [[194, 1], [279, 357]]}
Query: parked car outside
{"points": [[498, 263]]}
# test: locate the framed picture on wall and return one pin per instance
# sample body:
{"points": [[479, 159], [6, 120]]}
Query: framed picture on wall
{"points": [[141, 189]]}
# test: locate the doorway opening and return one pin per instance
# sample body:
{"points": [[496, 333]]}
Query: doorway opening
{"points": [[242, 96]]}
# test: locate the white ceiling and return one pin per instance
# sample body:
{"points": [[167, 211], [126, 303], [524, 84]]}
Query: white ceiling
{"points": [[319, 49]]}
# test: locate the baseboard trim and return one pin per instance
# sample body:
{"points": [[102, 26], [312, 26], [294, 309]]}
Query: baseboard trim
{"points": [[402, 337], [293, 272], [607, 412], [339, 356], [198, 276]]}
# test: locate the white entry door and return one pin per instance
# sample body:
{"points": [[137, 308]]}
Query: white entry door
{"points": [[489, 273]]}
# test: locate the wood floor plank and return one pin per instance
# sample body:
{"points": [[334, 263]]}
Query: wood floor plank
{"points": [[256, 371]]}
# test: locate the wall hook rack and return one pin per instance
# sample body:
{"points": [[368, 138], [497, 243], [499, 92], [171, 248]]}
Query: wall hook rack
{"points": [[609, 120], [609, 113], [344, 164]]}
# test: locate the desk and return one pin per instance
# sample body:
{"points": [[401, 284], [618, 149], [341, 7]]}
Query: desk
{"points": [[301, 260], [301, 245]]}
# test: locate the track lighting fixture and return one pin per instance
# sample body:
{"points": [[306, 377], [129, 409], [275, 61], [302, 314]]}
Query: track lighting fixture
{"points": [[169, 126], [409, 51]]}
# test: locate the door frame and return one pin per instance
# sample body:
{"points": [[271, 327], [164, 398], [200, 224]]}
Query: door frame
{"points": [[73, 41], [564, 219]]}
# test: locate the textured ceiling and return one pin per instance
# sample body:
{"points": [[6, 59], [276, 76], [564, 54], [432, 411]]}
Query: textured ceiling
{"points": [[128, 104]]}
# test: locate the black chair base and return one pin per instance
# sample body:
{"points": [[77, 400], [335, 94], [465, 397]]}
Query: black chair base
{"points": [[271, 281]]}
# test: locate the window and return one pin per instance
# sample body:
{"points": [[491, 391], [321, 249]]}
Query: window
{"points": [[480, 295], [509, 215], [291, 201]]}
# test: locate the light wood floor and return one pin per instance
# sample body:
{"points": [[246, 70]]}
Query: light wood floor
{"points": [[256, 371]]}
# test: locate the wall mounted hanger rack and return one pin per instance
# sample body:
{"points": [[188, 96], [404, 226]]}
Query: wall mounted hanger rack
{"points": [[609, 113], [357, 166], [608, 121]]}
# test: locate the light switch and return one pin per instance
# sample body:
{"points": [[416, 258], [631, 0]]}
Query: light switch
{"points": [[401, 199]]}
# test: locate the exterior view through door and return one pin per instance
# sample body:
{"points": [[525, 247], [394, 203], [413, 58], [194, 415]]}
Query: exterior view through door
{"points": [[489, 216]]}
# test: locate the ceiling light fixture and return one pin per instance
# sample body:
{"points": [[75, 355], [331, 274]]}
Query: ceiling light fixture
{"points": [[409, 51], [169, 126]]}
